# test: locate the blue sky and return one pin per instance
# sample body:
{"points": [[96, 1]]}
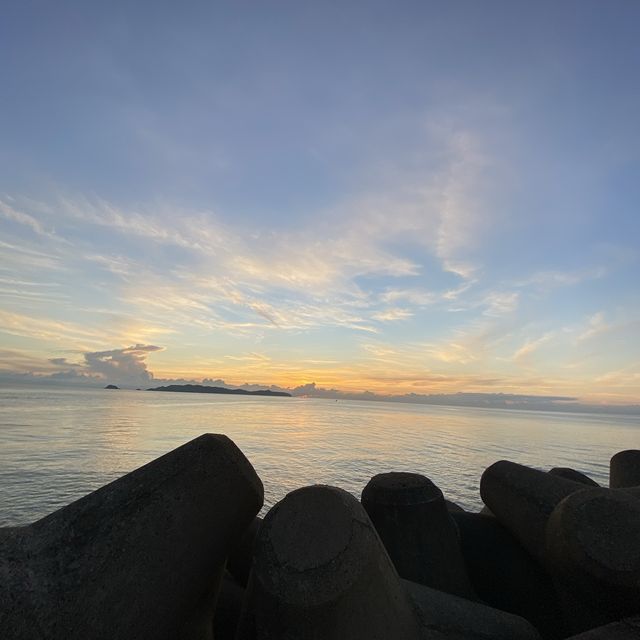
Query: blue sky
{"points": [[385, 196]]}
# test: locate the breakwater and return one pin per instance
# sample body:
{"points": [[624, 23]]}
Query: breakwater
{"points": [[175, 550]]}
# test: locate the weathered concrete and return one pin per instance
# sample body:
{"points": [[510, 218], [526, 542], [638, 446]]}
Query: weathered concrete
{"points": [[459, 619], [505, 576], [624, 469], [572, 474], [522, 499], [241, 555], [228, 609], [140, 558], [320, 572], [453, 506], [632, 491], [627, 629], [593, 550], [412, 520]]}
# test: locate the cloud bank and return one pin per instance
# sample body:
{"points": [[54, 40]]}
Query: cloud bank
{"points": [[127, 368]]}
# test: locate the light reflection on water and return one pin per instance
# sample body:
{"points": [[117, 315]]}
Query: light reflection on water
{"points": [[57, 445]]}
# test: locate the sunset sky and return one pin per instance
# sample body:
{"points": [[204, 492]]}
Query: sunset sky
{"points": [[425, 197]]}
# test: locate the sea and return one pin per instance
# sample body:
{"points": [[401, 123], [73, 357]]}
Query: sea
{"points": [[58, 444]]}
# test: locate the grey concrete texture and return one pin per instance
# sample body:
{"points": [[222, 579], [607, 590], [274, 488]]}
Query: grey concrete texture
{"points": [[632, 491], [241, 555], [228, 609], [522, 499], [453, 506], [593, 550], [627, 629], [624, 469], [142, 557], [412, 519], [572, 474], [505, 576], [320, 572], [459, 619]]}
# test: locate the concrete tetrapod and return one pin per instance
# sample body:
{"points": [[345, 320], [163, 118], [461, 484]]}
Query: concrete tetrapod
{"points": [[320, 572], [505, 576], [572, 474], [522, 499], [228, 609], [593, 550], [624, 469], [411, 517], [453, 506], [632, 491], [241, 556], [459, 619], [627, 629], [141, 558]]}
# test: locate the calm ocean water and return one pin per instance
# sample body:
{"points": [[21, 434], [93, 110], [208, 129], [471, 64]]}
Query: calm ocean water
{"points": [[58, 444]]}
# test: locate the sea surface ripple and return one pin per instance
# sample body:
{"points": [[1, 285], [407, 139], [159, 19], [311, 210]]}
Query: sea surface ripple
{"points": [[58, 444]]}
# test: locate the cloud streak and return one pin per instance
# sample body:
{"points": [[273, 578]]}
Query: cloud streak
{"points": [[401, 262]]}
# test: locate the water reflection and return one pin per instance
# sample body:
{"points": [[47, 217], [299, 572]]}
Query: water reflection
{"points": [[56, 445]]}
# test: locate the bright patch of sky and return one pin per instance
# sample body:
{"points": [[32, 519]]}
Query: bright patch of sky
{"points": [[396, 197]]}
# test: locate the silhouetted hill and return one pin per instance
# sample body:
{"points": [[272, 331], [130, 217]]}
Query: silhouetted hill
{"points": [[198, 388]]}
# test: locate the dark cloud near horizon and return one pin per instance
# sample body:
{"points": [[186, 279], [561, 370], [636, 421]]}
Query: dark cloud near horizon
{"points": [[63, 362], [122, 366], [127, 367]]}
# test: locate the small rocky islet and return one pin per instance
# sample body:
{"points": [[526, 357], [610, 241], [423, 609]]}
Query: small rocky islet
{"points": [[176, 550], [198, 388]]}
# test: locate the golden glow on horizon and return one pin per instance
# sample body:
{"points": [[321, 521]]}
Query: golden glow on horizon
{"points": [[357, 378], [379, 368]]}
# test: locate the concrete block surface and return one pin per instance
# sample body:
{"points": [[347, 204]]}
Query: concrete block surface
{"points": [[411, 517], [522, 499], [624, 469], [593, 550], [320, 572], [141, 558]]}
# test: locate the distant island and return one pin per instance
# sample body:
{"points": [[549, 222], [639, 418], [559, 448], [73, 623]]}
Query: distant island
{"points": [[198, 388], [111, 386]]}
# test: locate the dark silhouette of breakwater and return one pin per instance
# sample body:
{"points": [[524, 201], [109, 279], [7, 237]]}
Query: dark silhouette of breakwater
{"points": [[175, 551]]}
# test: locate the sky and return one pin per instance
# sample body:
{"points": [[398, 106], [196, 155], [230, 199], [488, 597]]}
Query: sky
{"points": [[396, 197]]}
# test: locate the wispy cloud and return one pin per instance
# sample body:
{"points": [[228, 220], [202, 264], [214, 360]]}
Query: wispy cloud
{"points": [[597, 325], [249, 357], [414, 297], [47, 329], [499, 303], [461, 222], [404, 253], [20, 260], [9, 213], [199, 268], [393, 314], [547, 280], [524, 353], [477, 342]]}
